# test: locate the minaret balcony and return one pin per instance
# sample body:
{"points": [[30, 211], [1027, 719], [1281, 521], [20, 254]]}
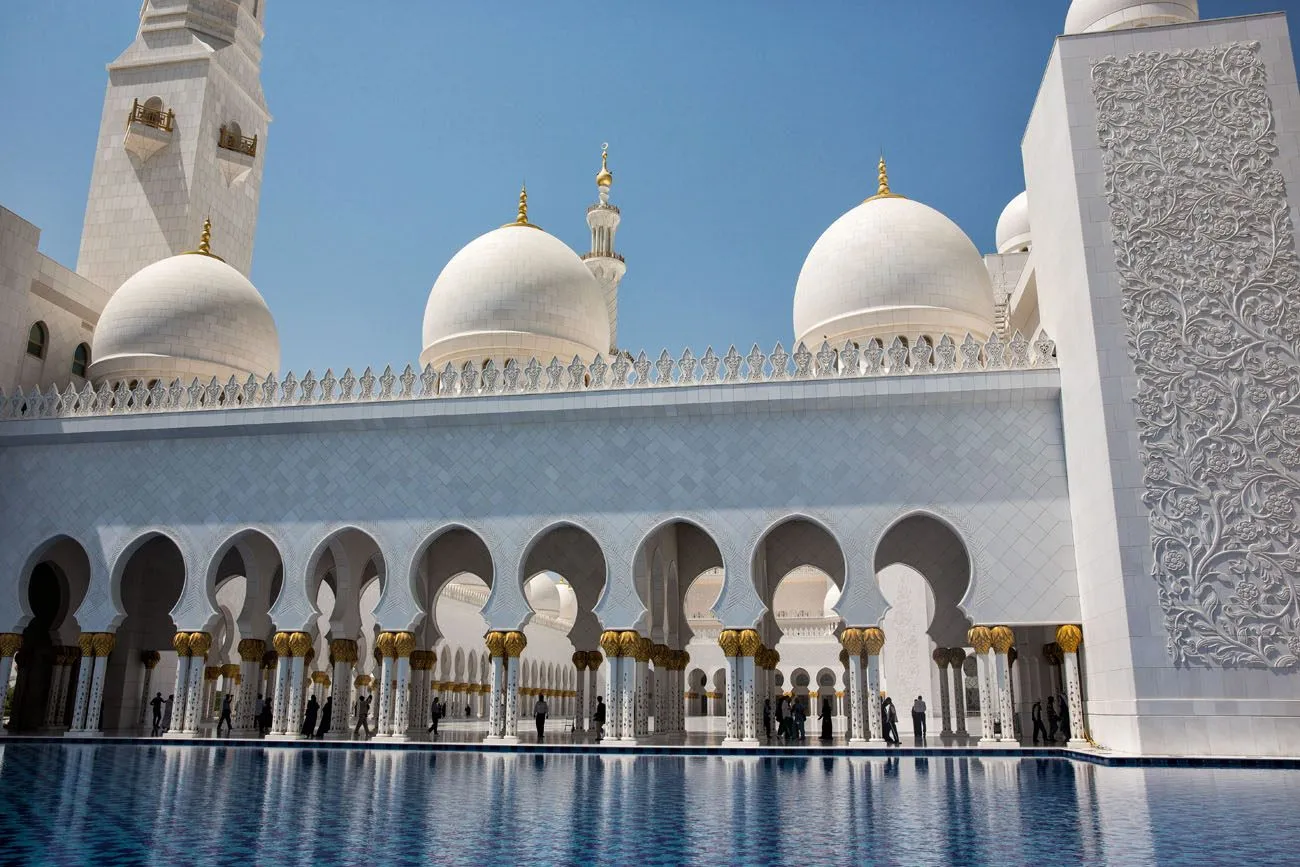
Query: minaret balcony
{"points": [[617, 257], [235, 154], [148, 127], [232, 140]]}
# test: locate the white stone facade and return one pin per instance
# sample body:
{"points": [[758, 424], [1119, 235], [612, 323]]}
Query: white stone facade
{"points": [[984, 524]]}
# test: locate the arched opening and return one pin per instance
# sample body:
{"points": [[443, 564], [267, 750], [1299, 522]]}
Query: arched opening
{"points": [[923, 571], [38, 340], [345, 564], [48, 663], [799, 572], [563, 578], [81, 360], [151, 581]]}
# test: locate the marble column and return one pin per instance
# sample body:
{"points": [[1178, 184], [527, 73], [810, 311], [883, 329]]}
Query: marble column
{"points": [[1003, 638], [515, 642], [403, 647], [945, 704], [957, 659], [629, 645], [104, 642], [10, 644], [659, 678], [613, 647], [750, 644], [1069, 637], [641, 706], [64, 657], [300, 644], [851, 638], [387, 653], [580, 711], [86, 641], [496, 645], [149, 659], [180, 687], [283, 674], [981, 638], [873, 639], [594, 660], [251, 651], [729, 641], [199, 682]]}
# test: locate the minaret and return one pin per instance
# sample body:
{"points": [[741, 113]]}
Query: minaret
{"points": [[606, 266], [182, 137]]}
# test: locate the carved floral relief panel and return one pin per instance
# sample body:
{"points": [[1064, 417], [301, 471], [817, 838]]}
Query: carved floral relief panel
{"points": [[1206, 256]]}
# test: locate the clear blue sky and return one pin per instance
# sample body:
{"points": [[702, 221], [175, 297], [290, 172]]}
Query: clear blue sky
{"points": [[738, 132]]}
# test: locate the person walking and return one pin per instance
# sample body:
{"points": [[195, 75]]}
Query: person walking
{"points": [[826, 716], [598, 719], [1052, 721], [167, 713], [782, 715], [326, 717], [309, 718], [540, 711], [264, 722], [799, 719], [1065, 717], [435, 714], [889, 720], [257, 712], [1036, 714], [767, 718], [157, 705], [363, 715], [467, 712], [918, 717], [225, 715]]}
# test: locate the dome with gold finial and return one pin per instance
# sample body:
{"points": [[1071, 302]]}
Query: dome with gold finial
{"points": [[512, 294], [188, 316], [892, 267]]}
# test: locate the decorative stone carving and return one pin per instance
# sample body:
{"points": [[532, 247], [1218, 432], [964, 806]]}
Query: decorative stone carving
{"points": [[1206, 257]]}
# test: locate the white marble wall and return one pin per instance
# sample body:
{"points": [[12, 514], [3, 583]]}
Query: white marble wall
{"points": [[1138, 698]]}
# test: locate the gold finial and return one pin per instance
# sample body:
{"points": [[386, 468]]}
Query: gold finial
{"points": [[205, 241], [521, 217], [205, 238], [606, 177], [882, 178]]}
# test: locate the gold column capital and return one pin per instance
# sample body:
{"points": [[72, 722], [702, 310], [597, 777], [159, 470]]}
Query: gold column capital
{"points": [[611, 643], [299, 644], [729, 641], [251, 649], [1069, 637], [515, 642], [1002, 638], [980, 638], [873, 639], [10, 643], [496, 643], [403, 644]]}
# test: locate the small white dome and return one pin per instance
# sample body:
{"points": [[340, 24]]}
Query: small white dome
{"points": [[890, 267], [187, 316], [1013, 226], [515, 292], [1092, 16]]}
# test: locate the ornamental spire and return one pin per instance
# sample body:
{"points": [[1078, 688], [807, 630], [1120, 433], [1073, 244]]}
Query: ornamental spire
{"points": [[205, 241], [882, 182], [605, 177], [205, 237], [521, 216]]}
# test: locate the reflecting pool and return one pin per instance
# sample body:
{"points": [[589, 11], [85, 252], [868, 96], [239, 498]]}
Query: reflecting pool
{"points": [[127, 804]]}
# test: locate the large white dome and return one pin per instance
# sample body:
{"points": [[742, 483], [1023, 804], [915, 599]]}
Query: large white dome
{"points": [[1092, 16], [892, 267], [515, 292], [1013, 234], [188, 316]]}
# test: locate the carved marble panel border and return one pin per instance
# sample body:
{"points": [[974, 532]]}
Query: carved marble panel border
{"points": [[1207, 263]]}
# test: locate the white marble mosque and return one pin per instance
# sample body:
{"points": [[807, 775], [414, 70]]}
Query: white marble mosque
{"points": [[1068, 468]]}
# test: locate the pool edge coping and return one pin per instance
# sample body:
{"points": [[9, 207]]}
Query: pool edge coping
{"points": [[673, 750]]}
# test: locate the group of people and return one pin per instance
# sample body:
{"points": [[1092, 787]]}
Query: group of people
{"points": [[162, 714], [1058, 719], [791, 718]]}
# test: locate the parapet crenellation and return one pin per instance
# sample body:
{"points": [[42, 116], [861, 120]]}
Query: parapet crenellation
{"points": [[901, 358]]}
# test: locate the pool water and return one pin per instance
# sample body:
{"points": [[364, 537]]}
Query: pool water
{"points": [[129, 804]]}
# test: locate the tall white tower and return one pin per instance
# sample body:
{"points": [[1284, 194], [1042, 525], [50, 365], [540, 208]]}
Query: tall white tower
{"points": [[606, 266], [181, 139]]}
